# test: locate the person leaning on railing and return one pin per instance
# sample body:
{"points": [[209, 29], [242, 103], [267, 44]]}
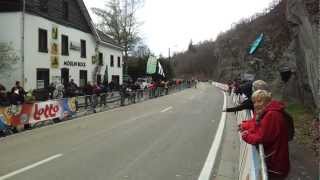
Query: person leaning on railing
{"points": [[247, 90], [268, 127]]}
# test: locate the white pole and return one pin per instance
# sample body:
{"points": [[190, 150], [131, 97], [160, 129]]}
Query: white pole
{"points": [[22, 40]]}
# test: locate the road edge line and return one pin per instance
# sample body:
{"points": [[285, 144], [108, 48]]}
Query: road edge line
{"points": [[211, 158]]}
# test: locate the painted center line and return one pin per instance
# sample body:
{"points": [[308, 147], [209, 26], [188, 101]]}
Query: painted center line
{"points": [[30, 167], [166, 109]]}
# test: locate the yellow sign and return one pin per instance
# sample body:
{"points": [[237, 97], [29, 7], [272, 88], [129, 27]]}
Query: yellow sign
{"points": [[54, 48], [55, 62], [54, 32]]}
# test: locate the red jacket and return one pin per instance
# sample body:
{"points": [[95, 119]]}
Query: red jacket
{"points": [[272, 132]]}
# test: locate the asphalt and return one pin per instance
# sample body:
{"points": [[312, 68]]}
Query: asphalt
{"points": [[164, 138]]}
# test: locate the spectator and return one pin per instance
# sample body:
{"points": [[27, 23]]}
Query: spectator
{"points": [[51, 89], [123, 93], [72, 88], [111, 86], [88, 90], [229, 87], [15, 97], [3, 96], [166, 87], [97, 89], [58, 92], [268, 127], [247, 90], [18, 93]]}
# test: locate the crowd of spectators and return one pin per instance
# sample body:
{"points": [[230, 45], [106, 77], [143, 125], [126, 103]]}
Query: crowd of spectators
{"points": [[17, 95], [131, 90]]}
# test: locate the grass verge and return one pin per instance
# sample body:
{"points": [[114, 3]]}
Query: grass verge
{"points": [[306, 126]]}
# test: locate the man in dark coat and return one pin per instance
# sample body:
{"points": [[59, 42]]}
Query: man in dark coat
{"points": [[247, 90], [18, 92]]}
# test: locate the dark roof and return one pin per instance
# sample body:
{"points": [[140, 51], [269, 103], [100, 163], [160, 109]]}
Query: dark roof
{"points": [[78, 16], [78, 19], [106, 39]]}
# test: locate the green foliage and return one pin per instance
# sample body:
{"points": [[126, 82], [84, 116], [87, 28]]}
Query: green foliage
{"points": [[137, 67]]}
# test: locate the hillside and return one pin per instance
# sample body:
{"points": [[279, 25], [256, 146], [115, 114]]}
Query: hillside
{"points": [[291, 39]]}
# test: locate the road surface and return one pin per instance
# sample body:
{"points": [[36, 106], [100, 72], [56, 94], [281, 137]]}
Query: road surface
{"points": [[167, 138]]}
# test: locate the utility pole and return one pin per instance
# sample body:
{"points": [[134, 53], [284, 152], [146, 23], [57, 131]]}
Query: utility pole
{"points": [[169, 54]]}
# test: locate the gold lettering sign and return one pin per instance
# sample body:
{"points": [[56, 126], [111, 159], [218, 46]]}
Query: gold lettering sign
{"points": [[54, 49], [55, 62], [54, 32]]}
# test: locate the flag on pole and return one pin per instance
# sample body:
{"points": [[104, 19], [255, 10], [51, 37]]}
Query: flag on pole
{"points": [[160, 70], [256, 44], [152, 65]]}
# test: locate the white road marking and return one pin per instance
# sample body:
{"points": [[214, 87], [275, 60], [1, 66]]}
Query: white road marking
{"points": [[166, 109], [30, 167], [208, 165]]}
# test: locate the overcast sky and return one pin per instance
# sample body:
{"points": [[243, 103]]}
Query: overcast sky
{"points": [[173, 23]]}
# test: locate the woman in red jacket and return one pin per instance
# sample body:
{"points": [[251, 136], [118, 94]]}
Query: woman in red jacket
{"points": [[269, 128]]}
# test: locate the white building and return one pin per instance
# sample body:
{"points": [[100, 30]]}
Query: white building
{"points": [[55, 40]]}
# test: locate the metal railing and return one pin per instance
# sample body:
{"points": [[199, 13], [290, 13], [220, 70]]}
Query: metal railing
{"points": [[251, 163], [251, 160], [57, 110]]}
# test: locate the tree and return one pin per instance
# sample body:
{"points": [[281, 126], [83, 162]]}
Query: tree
{"points": [[118, 20], [191, 47]]}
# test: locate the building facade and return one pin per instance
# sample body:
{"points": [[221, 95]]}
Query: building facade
{"points": [[55, 41]]}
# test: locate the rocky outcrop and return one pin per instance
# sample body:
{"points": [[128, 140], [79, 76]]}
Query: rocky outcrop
{"points": [[291, 40], [304, 47]]}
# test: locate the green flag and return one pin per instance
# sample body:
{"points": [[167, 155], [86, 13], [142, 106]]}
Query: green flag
{"points": [[152, 65], [256, 44]]}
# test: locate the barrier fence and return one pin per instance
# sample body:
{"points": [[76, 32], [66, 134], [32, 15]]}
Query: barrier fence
{"points": [[30, 114], [251, 159]]}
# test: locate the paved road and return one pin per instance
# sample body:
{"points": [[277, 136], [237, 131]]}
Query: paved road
{"points": [[167, 138]]}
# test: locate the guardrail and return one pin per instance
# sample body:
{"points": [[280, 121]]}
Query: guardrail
{"points": [[28, 115], [251, 160]]}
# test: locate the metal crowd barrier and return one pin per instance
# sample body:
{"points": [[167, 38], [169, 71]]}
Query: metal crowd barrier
{"points": [[14, 117], [251, 160]]}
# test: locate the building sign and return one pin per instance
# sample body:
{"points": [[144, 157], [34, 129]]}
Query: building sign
{"points": [[55, 62], [54, 58], [54, 32], [54, 48], [75, 63], [75, 46], [94, 59]]}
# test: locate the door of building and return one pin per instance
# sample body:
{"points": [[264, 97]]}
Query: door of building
{"points": [[116, 79], [98, 78], [83, 78], [42, 78], [64, 75]]}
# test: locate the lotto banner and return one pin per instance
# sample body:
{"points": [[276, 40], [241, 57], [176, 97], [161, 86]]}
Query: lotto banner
{"points": [[43, 111], [37, 112]]}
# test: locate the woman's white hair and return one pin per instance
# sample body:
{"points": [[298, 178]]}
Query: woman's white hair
{"points": [[263, 94], [260, 84]]}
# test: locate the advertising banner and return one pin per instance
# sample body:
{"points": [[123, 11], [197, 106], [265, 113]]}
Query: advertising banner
{"points": [[43, 111], [37, 112]]}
